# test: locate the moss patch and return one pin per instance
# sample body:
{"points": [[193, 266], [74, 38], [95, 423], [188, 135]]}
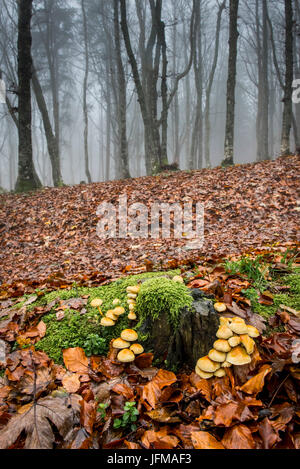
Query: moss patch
{"points": [[84, 330], [161, 295]]}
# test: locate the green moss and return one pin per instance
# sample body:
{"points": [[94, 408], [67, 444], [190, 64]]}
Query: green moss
{"points": [[161, 295], [290, 299], [84, 330]]}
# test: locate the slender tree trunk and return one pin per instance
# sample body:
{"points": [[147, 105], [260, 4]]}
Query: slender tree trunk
{"points": [[231, 84], [85, 85], [288, 90], [50, 137], [123, 166], [27, 177], [210, 85]]}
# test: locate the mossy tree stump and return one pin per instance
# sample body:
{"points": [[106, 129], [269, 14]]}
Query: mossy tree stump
{"points": [[192, 339]]}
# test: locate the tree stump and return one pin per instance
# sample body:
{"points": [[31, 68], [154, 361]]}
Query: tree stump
{"points": [[193, 338]]}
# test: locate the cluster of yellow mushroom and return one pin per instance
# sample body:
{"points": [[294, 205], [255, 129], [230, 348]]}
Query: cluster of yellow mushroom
{"points": [[128, 350], [132, 293], [234, 346]]}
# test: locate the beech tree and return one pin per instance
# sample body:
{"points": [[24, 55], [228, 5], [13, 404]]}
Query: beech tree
{"points": [[27, 176]]}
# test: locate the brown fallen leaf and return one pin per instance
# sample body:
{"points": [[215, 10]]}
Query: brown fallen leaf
{"points": [[204, 440], [238, 437], [75, 360], [71, 382], [256, 384]]}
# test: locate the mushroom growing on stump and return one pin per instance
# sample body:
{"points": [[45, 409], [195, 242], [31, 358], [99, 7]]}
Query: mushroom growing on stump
{"points": [[137, 349], [107, 322], [129, 335], [96, 302], [220, 307], [126, 356], [233, 347], [120, 344]]}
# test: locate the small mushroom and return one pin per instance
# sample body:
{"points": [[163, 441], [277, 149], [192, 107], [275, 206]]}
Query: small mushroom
{"points": [[126, 356], [130, 335], [116, 302], [224, 321], [119, 310], [238, 356], [120, 344], [111, 315], [131, 302], [96, 302], [220, 307], [220, 373], [226, 365], [224, 332], [134, 289], [252, 331], [238, 326], [178, 279], [107, 322], [234, 341], [131, 296], [217, 356], [203, 374], [137, 349], [248, 343], [132, 316], [131, 307], [222, 345], [207, 365]]}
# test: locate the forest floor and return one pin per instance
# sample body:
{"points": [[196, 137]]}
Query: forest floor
{"points": [[61, 385], [50, 235]]}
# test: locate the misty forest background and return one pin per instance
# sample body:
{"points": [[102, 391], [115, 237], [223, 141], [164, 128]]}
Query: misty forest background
{"points": [[121, 88]]}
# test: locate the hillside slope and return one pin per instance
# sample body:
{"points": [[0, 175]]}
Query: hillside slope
{"points": [[54, 230]]}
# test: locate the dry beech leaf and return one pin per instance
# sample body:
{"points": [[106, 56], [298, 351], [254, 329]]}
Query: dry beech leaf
{"points": [[75, 360], [256, 384], [204, 440]]}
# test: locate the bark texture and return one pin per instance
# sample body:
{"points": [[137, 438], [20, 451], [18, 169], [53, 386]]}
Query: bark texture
{"points": [[231, 84], [193, 338], [27, 177], [288, 90]]}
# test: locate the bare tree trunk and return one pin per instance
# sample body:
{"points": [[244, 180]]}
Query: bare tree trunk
{"points": [[27, 177], [288, 90], [210, 84], [123, 166], [50, 137], [85, 84], [231, 84]]}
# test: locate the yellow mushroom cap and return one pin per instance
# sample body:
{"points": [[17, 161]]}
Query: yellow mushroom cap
{"points": [[131, 307], [220, 373], [234, 341], [132, 316], [217, 356], [129, 334], [178, 279], [224, 321], [107, 322], [96, 302], [137, 349], [116, 302], [220, 307], [238, 356], [111, 315], [119, 310], [222, 345], [202, 374], [248, 343], [126, 356], [226, 365], [120, 344], [238, 327], [132, 296], [224, 332], [207, 365], [131, 302], [134, 289], [252, 331]]}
